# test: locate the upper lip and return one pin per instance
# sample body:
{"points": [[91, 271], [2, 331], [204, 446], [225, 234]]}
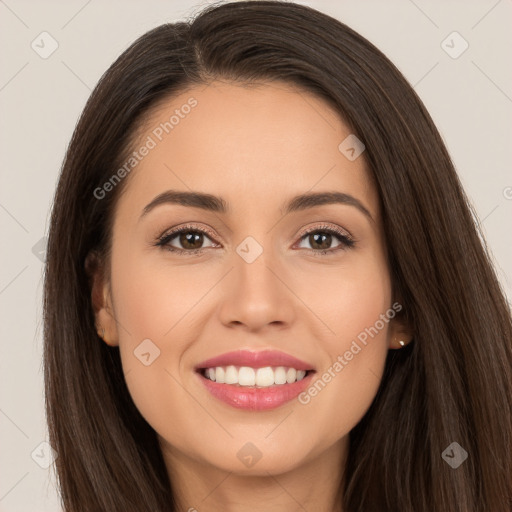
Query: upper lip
{"points": [[257, 359]]}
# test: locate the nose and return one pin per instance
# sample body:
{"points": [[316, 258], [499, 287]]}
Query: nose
{"points": [[256, 295]]}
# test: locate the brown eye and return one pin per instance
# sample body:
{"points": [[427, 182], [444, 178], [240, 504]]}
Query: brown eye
{"points": [[321, 239], [186, 240], [191, 239]]}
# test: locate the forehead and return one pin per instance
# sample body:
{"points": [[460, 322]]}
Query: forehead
{"points": [[247, 143]]}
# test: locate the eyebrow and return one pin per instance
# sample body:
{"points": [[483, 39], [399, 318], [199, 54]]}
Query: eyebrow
{"points": [[219, 205]]}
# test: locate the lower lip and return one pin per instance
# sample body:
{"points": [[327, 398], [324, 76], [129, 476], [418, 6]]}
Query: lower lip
{"points": [[256, 399]]}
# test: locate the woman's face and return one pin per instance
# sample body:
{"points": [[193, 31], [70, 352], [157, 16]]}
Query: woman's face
{"points": [[271, 276]]}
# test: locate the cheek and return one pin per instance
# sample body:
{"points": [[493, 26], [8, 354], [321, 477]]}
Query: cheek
{"points": [[356, 307], [153, 305], [346, 297], [153, 299]]}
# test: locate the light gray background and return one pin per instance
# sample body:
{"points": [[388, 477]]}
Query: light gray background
{"points": [[470, 99]]}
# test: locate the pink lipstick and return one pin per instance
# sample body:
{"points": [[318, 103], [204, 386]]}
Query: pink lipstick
{"points": [[255, 381]]}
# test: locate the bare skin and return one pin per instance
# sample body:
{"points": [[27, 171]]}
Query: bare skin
{"points": [[256, 147]]}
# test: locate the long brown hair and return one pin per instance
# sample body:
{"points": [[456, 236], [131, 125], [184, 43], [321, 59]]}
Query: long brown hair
{"points": [[453, 383]]}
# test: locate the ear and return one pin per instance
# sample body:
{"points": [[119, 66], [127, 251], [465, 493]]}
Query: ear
{"points": [[400, 332], [101, 299]]}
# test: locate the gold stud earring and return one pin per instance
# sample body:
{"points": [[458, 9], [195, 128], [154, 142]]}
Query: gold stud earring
{"points": [[402, 343]]}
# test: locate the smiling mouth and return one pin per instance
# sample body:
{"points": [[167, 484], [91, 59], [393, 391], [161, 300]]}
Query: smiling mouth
{"points": [[249, 377]]}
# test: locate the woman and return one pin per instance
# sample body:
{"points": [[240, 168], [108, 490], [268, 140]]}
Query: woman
{"points": [[264, 286]]}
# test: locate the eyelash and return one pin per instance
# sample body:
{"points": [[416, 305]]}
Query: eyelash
{"points": [[346, 241]]}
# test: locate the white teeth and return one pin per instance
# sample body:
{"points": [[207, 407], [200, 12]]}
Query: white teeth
{"points": [[265, 377], [231, 375], [291, 375], [246, 376], [219, 375], [280, 375], [260, 377]]}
